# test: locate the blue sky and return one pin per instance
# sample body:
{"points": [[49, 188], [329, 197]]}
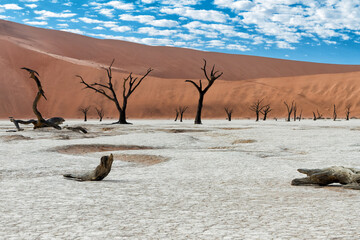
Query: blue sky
{"points": [[325, 31]]}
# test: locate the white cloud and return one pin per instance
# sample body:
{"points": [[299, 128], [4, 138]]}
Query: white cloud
{"points": [[147, 41], [186, 37], [37, 23], [149, 20], [120, 5], [156, 32], [148, 1], [120, 28], [238, 47], [48, 14], [284, 45], [112, 25], [289, 21], [216, 43], [11, 6], [180, 3], [3, 17], [139, 18], [329, 42], [31, 6], [77, 31], [107, 12], [63, 25], [213, 30], [89, 20], [69, 4], [204, 15]]}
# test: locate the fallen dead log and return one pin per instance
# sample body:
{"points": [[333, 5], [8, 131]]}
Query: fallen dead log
{"points": [[77, 129], [349, 177], [98, 174], [51, 122]]}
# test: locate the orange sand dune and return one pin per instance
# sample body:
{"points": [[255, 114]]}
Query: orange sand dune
{"points": [[59, 56]]}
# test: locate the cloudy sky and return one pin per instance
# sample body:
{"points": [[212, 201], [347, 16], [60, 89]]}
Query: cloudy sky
{"points": [[308, 30]]}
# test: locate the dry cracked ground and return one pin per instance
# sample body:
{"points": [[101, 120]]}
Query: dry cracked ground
{"points": [[219, 180]]}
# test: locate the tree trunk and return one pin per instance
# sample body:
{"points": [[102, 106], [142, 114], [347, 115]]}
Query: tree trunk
{"points": [[257, 116], [229, 117], [326, 176], [181, 116], [265, 115], [199, 108], [85, 117], [98, 174]]}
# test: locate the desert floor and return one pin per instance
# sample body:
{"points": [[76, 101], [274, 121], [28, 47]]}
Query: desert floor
{"points": [[171, 180]]}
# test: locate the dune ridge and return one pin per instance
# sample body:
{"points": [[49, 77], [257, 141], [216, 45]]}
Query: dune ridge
{"points": [[59, 56]]}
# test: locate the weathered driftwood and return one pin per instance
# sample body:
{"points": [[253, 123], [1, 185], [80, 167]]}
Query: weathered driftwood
{"points": [[98, 174], [349, 177], [51, 122], [77, 129], [41, 122]]}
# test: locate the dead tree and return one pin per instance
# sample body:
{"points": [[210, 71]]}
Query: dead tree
{"points": [[294, 111], [100, 172], [300, 116], [317, 116], [265, 111], [347, 111], [229, 112], [130, 83], [334, 113], [40, 122], [100, 112], [349, 177], [256, 107], [289, 109], [84, 110], [213, 76], [177, 114], [181, 112]]}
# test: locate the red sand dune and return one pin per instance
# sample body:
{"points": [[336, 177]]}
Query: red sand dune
{"points": [[59, 56]]}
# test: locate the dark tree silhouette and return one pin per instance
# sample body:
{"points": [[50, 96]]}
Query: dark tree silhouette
{"points": [[334, 113], [256, 107], [289, 109], [229, 112], [100, 112], [177, 114], [314, 118], [347, 111], [318, 116], [213, 76], [266, 109], [40, 122], [294, 111], [300, 116], [130, 83], [84, 110], [181, 112]]}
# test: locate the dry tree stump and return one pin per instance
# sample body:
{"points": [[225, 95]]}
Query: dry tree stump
{"points": [[349, 177], [100, 172]]}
